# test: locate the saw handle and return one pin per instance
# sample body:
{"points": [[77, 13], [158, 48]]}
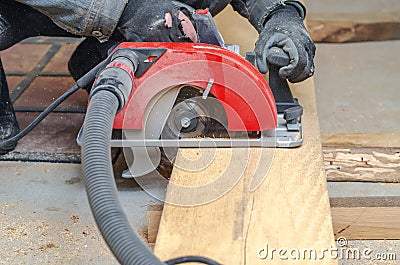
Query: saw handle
{"points": [[285, 102], [276, 59]]}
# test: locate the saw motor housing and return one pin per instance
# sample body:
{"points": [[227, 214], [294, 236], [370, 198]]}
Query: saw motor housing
{"points": [[182, 90], [243, 92]]}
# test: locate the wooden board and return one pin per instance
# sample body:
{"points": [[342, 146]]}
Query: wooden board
{"points": [[353, 223], [153, 216], [289, 210], [362, 164], [366, 222], [339, 21], [352, 31]]}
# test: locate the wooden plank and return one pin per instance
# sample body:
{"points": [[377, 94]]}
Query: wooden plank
{"points": [[340, 21], [359, 211], [384, 140], [362, 164], [365, 210], [153, 216], [366, 222], [353, 223], [290, 209], [323, 31]]}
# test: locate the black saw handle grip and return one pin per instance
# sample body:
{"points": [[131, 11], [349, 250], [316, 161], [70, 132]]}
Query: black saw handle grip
{"points": [[285, 102], [276, 59]]}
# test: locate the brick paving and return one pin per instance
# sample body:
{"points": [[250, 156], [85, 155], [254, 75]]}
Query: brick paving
{"points": [[37, 74]]}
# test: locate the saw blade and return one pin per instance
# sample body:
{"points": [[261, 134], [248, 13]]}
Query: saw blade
{"points": [[194, 116]]}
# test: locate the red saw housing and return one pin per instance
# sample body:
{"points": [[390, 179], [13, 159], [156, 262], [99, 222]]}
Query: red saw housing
{"points": [[243, 92]]}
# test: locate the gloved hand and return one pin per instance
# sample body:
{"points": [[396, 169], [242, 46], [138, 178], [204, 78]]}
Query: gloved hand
{"points": [[285, 29], [154, 20]]}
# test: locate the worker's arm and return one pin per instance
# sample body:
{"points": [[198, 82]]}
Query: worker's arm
{"points": [[148, 20], [97, 18], [280, 24], [154, 20]]}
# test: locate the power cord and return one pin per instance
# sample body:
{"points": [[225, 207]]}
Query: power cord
{"points": [[84, 81], [39, 118], [187, 259]]}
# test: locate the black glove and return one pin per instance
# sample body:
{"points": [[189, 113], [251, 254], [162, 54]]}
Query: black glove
{"points": [[154, 20], [284, 28]]}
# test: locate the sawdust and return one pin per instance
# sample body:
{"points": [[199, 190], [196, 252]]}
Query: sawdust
{"points": [[30, 239], [48, 246], [75, 219]]}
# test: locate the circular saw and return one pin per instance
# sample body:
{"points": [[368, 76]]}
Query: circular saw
{"points": [[191, 95]]}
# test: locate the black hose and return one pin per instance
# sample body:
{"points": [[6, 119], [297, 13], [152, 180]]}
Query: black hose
{"points": [[100, 185], [101, 190]]}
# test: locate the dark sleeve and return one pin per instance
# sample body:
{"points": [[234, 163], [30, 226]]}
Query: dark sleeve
{"points": [[96, 18], [257, 11]]}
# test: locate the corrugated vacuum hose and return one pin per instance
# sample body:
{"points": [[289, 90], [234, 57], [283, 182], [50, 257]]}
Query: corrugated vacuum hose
{"points": [[108, 96], [100, 184]]}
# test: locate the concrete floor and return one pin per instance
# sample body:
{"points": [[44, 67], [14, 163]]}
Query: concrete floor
{"points": [[380, 248], [45, 217], [357, 87]]}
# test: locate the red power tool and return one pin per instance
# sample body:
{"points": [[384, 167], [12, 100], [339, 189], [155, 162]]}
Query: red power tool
{"points": [[185, 93]]}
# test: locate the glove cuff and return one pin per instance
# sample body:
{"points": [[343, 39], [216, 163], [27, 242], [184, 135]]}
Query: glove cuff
{"points": [[299, 6], [262, 9]]}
